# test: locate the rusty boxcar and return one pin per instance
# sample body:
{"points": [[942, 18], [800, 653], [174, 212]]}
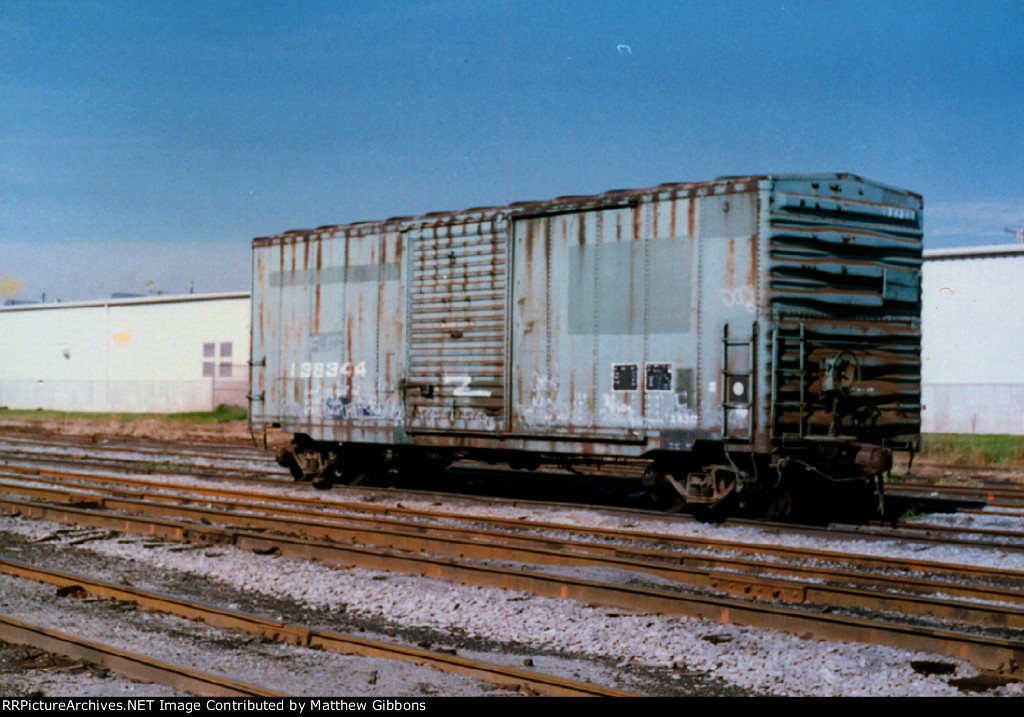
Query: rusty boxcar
{"points": [[746, 339]]}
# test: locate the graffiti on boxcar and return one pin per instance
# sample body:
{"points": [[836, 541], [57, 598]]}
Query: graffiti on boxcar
{"points": [[670, 410], [742, 297], [340, 408], [616, 412], [547, 408], [459, 417], [359, 400], [475, 419]]}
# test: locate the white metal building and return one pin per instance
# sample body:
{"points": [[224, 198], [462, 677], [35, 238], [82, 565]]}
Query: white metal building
{"points": [[973, 340], [150, 354]]}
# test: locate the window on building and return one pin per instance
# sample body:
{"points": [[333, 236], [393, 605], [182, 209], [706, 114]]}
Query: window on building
{"points": [[222, 368]]}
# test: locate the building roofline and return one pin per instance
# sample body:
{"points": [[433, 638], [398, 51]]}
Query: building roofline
{"points": [[991, 250], [129, 301]]}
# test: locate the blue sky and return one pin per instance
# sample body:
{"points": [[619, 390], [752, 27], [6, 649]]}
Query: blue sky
{"points": [[144, 144]]}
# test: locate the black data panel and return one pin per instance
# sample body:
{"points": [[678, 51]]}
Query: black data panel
{"points": [[658, 377], [625, 376]]}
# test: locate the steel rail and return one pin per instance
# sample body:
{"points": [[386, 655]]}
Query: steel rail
{"points": [[127, 664], [1002, 655], [1006, 496], [908, 530], [661, 542], [711, 573], [144, 446], [476, 545], [169, 465], [309, 637], [100, 440], [910, 487], [831, 532], [904, 533]]}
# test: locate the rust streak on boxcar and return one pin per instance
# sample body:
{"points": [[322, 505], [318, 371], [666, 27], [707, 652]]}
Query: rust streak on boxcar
{"points": [[730, 263], [261, 280], [752, 265], [318, 284]]}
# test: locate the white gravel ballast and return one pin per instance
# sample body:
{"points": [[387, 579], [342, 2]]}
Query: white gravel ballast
{"points": [[754, 661]]}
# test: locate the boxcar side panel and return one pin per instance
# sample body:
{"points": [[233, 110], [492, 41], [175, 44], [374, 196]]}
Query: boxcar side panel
{"points": [[602, 323], [729, 307], [456, 325], [328, 321]]}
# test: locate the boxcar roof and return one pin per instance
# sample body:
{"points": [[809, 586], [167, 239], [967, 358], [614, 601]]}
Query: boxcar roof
{"points": [[610, 198]]}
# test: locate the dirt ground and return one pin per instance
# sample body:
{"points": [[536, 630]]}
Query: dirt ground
{"points": [[956, 474], [232, 432]]}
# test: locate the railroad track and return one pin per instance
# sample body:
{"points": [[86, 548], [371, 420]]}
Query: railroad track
{"points": [[997, 495], [149, 670], [306, 517], [230, 462], [469, 556], [149, 460], [962, 535], [769, 575], [132, 665]]}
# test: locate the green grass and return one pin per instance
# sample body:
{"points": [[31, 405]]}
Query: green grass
{"points": [[222, 414], [973, 450]]}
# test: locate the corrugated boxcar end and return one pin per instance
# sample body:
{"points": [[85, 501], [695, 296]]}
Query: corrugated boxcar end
{"points": [[731, 334], [845, 276]]}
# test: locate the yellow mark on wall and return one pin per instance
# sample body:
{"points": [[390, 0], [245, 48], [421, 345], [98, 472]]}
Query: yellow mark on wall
{"points": [[122, 338], [9, 287]]}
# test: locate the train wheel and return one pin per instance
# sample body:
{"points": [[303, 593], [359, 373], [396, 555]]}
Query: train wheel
{"points": [[663, 493], [353, 475], [666, 499], [345, 467], [301, 459], [294, 469], [711, 512], [859, 503], [779, 506], [323, 482]]}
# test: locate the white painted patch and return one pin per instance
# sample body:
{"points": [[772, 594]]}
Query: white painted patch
{"points": [[462, 388]]}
